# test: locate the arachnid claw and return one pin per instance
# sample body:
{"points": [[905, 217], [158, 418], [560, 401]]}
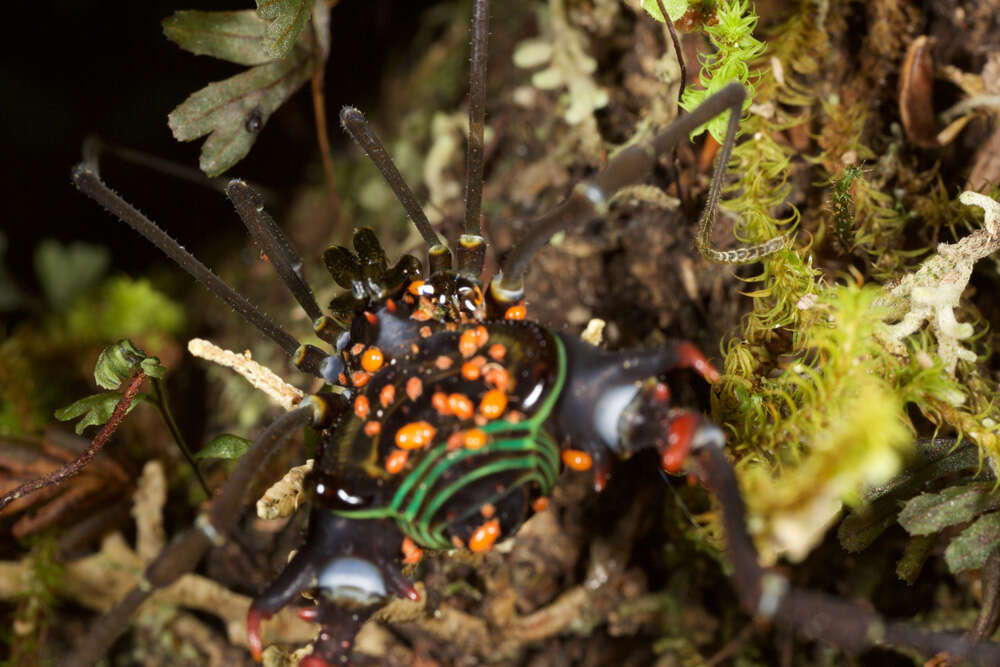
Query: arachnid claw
{"points": [[399, 584], [254, 618], [601, 474]]}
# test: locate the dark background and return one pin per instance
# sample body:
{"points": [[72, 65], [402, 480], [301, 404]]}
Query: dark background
{"points": [[78, 68]]}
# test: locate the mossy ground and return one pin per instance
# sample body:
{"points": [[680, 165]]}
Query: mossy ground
{"points": [[814, 402]]}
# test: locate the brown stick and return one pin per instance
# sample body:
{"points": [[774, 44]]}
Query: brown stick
{"points": [[78, 464], [319, 111]]}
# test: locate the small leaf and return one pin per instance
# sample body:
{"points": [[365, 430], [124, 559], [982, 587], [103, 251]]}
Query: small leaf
{"points": [[117, 362], [238, 37], [224, 446], [930, 512], [287, 19], [233, 111], [970, 550], [66, 271], [96, 409], [861, 527], [917, 551], [675, 9]]}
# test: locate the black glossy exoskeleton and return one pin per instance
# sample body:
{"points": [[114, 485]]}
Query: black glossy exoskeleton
{"points": [[448, 417]]}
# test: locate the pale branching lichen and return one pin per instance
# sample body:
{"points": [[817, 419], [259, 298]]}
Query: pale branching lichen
{"points": [[569, 65], [931, 293], [261, 377], [286, 495]]}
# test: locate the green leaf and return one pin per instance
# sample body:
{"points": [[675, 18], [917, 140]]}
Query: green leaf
{"points": [[287, 19], [930, 512], [96, 409], [238, 37], [675, 9], [70, 270], [224, 446], [917, 551], [861, 527], [233, 111], [970, 550], [117, 362]]}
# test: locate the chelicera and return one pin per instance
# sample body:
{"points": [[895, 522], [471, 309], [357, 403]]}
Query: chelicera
{"points": [[447, 415]]}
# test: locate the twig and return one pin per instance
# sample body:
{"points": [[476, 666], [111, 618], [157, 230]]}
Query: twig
{"points": [[163, 406], [319, 111], [74, 467]]}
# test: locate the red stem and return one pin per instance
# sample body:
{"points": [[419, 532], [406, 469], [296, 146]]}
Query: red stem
{"points": [[78, 464]]}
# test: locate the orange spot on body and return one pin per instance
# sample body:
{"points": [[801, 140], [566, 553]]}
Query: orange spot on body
{"points": [[517, 312], [497, 376], [439, 401], [357, 349], [415, 435], [387, 395], [360, 378], [497, 351], [443, 362], [461, 406], [577, 460], [371, 317], [485, 536], [455, 440], [372, 359], [472, 339], [474, 438], [362, 407], [411, 552], [390, 305], [425, 331], [467, 343], [488, 510], [493, 403], [541, 504], [414, 388], [396, 461], [373, 428], [457, 542], [471, 371], [415, 286]]}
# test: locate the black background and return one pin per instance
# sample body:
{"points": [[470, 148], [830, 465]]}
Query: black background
{"points": [[77, 68]]}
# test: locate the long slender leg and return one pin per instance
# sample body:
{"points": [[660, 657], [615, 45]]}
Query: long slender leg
{"points": [[589, 199], [273, 242], [183, 553], [357, 126], [768, 595], [472, 247], [89, 182]]}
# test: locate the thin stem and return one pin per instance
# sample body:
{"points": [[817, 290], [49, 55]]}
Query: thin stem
{"points": [[357, 126], [86, 179], [163, 406], [96, 445], [680, 91], [274, 243], [677, 49], [319, 112], [477, 119]]}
